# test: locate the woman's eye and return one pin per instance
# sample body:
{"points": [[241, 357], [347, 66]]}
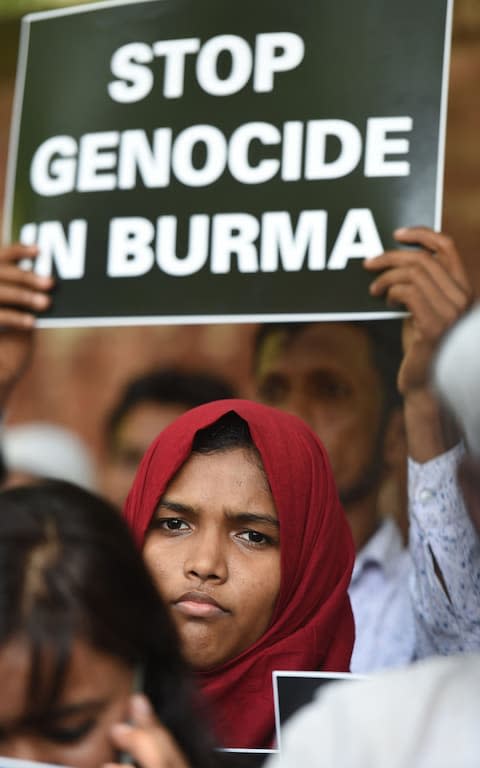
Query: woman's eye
{"points": [[69, 735], [173, 524], [324, 385], [169, 525], [255, 537]]}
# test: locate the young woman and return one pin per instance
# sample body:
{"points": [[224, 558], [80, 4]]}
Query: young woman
{"points": [[236, 510], [81, 627]]}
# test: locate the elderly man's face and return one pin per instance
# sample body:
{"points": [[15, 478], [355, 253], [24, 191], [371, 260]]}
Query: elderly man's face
{"points": [[325, 374]]}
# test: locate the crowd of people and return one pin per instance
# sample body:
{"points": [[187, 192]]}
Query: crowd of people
{"points": [[424, 715], [256, 537]]}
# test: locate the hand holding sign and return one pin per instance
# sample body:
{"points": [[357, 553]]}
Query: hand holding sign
{"points": [[433, 284], [148, 742], [22, 293]]}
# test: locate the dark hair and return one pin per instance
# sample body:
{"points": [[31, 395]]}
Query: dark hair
{"points": [[69, 570], [228, 432], [385, 342], [167, 386]]}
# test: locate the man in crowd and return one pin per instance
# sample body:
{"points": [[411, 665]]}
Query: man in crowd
{"points": [[424, 715], [432, 283], [340, 378], [147, 405]]}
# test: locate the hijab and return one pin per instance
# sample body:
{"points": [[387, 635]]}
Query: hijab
{"points": [[312, 625]]}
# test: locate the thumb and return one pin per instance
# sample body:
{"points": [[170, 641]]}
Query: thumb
{"points": [[148, 742], [141, 712], [140, 717]]}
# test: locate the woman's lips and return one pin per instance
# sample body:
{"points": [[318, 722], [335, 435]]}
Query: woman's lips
{"points": [[199, 605]]}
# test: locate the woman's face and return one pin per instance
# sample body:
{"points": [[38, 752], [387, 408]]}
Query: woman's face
{"points": [[214, 550], [77, 732]]}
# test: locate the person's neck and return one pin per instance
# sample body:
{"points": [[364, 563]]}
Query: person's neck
{"points": [[362, 516]]}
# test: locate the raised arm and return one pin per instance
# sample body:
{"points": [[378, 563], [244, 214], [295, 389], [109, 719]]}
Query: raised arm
{"points": [[432, 283], [22, 295]]}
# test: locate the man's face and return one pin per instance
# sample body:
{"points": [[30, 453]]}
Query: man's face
{"points": [[325, 375], [138, 428]]}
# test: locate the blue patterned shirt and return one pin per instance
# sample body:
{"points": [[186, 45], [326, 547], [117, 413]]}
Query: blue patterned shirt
{"points": [[401, 610]]}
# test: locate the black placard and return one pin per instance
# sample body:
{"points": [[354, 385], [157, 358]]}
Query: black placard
{"points": [[204, 161]]}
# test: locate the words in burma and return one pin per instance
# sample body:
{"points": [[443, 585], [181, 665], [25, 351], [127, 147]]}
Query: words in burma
{"points": [[200, 156]]}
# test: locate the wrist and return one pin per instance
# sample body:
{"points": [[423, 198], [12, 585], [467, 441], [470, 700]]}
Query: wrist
{"points": [[424, 425]]}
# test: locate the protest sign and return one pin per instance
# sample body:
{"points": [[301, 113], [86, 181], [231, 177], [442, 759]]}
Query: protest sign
{"points": [[203, 161], [245, 758], [293, 690]]}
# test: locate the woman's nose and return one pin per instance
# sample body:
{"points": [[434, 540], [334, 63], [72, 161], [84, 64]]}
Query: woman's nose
{"points": [[207, 559]]}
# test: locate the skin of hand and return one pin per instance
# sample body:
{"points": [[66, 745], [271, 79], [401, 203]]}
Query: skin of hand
{"points": [[431, 282], [149, 743], [22, 295]]}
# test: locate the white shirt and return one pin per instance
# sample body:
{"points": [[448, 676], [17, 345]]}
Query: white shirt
{"points": [[426, 716], [384, 620], [401, 610]]}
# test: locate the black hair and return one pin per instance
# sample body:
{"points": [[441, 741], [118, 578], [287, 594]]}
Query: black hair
{"points": [[167, 386], [69, 570], [230, 431], [385, 338]]}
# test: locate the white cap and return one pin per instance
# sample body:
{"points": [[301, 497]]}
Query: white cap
{"points": [[456, 376], [48, 450]]}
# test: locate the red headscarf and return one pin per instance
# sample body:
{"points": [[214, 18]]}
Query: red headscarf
{"points": [[312, 625]]}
